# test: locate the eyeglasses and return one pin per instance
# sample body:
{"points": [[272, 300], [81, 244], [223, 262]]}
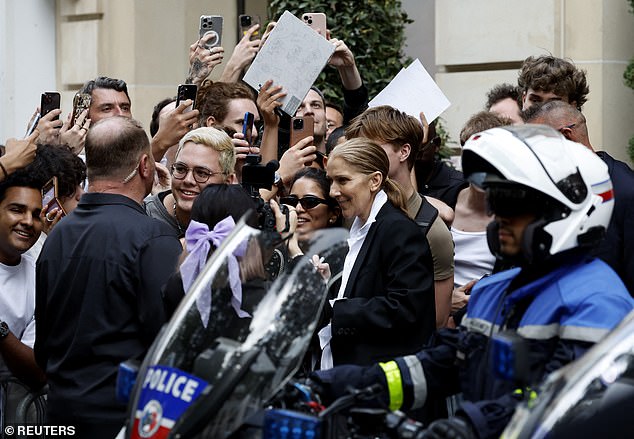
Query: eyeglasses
{"points": [[201, 175], [307, 201]]}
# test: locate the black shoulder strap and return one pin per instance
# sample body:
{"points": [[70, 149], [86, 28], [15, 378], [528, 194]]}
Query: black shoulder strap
{"points": [[426, 215]]}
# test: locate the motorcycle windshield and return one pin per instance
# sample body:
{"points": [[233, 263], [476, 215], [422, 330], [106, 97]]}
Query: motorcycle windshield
{"points": [[586, 398], [208, 379]]}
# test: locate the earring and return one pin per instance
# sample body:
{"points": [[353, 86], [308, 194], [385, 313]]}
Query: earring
{"points": [[332, 220]]}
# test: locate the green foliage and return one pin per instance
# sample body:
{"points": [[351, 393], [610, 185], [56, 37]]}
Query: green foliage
{"points": [[630, 150], [628, 74], [372, 29]]}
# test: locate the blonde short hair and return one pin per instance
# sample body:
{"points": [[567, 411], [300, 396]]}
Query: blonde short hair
{"points": [[216, 139]]}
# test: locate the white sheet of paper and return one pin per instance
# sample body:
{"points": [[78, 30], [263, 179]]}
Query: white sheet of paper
{"points": [[293, 56], [413, 90]]}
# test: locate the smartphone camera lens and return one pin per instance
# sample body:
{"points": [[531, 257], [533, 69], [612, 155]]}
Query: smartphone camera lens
{"points": [[298, 124], [246, 20], [310, 21]]}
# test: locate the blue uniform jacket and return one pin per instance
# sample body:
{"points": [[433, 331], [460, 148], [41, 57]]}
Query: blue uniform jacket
{"points": [[560, 315]]}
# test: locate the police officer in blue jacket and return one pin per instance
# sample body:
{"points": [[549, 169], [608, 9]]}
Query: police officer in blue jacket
{"points": [[552, 200]]}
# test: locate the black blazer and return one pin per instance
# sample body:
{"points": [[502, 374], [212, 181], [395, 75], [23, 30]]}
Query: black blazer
{"points": [[388, 308]]}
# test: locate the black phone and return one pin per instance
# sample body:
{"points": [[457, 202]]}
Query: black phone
{"points": [[50, 195], [184, 92], [247, 127], [50, 101]]}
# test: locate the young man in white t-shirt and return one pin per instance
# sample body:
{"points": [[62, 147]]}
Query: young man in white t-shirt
{"points": [[20, 228]]}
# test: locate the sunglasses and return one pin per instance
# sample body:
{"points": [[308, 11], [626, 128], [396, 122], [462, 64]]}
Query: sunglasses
{"points": [[513, 201], [307, 201]]}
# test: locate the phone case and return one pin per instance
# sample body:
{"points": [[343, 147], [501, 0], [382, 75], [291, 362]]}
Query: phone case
{"points": [[316, 21], [49, 193], [244, 24], [50, 101], [186, 91], [301, 127], [211, 24], [247, 127], [81, 102]]}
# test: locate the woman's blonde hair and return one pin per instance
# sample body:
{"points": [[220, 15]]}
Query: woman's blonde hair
{"points": [[366, 156]]}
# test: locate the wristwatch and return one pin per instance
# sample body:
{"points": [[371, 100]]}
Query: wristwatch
{"points": [[4, 330], [277, 181]]}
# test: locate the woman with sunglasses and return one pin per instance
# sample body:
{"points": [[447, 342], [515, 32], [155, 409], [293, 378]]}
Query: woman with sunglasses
{"points": [[205, 156], [315, 208], [386, 303]]}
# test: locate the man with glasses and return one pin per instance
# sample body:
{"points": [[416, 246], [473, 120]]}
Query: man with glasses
{"points": [[205, 156], [98, 282]]}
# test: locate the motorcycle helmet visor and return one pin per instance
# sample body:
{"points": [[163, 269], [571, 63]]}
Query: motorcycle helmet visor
{"points": [[514, 200]]}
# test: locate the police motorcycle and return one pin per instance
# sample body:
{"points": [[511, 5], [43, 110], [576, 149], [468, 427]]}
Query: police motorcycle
{"points": [[591, 397], [208, 378]]}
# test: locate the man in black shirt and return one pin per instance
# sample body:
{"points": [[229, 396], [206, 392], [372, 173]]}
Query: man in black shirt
{"points": [[98, 282]]}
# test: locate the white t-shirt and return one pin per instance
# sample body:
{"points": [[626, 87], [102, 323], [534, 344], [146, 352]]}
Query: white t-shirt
{"points": [[17, 300], [472, 257]]}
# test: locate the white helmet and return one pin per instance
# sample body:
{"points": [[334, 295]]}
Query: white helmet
{"points": [[534, 169]]}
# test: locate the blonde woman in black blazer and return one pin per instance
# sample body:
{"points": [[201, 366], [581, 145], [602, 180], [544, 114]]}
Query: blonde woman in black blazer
{"points": [[386, 305]]}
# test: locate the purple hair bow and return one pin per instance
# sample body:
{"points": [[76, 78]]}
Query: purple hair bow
{"points": [[197, 241]]}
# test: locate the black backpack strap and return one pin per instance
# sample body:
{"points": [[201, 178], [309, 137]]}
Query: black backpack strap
{"points": [[426, 215]]}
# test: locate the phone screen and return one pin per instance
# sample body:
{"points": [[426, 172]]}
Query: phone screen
{"points": [[48, 194], [247, 127]]}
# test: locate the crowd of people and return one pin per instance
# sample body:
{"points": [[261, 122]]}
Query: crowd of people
{"points": [[532, 236]]}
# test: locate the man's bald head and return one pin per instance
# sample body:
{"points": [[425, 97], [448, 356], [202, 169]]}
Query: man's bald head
{"points": [[113, 148], [561, 116]]}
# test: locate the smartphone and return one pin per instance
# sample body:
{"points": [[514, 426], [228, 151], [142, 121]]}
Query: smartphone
{"points": [[301, 127], [247, 127], [81, 102], [317, 21], [244, 24], [50, 195], [211, 24], [184, 92], [50, 101]]}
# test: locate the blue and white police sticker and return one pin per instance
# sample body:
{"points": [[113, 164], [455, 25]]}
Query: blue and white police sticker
{"points": [[165, 395]]}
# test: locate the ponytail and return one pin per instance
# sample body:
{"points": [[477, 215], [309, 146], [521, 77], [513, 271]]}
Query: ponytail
{"points": [[395, 194]]}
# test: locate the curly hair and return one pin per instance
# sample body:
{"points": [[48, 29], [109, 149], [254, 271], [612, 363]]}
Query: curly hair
{"points": [[557, 75], [59, 161], [501, 92], [213, 99]]}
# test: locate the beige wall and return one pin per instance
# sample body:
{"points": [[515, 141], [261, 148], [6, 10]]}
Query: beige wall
{"points": [[144, 42], [482, 42], [477, 44]]}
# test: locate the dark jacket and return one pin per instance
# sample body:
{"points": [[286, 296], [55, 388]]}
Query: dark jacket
{"points": [[388, 307], [617, 250], [98, 302]]}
